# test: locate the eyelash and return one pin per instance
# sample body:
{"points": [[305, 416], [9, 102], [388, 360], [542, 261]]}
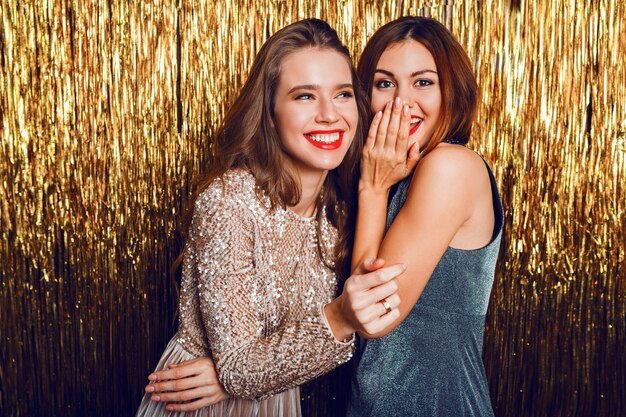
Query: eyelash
{"points": [[419, 83], [379, 84], [343, 94], [426, 83]]}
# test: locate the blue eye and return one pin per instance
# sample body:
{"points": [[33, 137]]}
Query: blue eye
{"points": [[345, 94], [384, 84]]}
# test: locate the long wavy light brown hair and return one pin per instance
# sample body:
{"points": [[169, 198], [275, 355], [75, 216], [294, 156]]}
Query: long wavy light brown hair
{"points": [[456, 77], [247, 138]]}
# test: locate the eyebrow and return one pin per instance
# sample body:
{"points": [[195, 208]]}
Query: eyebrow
{"points": [[317, 87], [413, 74]]}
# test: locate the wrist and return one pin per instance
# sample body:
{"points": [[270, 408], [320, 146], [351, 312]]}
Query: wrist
{"points": [[372, 190], [339, 326]]}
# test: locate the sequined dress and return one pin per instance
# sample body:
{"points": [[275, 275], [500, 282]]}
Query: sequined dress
{"points": [[253, 288], [431, 364]]}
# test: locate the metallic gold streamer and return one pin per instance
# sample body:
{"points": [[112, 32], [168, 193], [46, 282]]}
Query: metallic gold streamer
{"points": [[107, 109]]}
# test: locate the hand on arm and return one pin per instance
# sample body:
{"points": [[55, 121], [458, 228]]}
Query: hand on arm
{"points": [[359, 307], [195, 380], [387, 159]]}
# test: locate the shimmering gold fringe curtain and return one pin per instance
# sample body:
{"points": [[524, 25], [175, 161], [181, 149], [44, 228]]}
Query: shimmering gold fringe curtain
{"points": [[107, 110]]}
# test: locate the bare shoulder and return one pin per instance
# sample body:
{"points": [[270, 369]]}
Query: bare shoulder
{"points": [[451, 165], [453, 159]]}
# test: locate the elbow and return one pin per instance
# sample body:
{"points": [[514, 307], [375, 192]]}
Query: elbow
{"points": [[241, 387], [378, 335], [241, 381]]}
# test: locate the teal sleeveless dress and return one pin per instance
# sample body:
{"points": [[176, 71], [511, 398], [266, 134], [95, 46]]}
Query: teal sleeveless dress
{"points": [[431, 364]]}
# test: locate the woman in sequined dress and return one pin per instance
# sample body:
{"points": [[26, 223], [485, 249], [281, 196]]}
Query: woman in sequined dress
{"points": [[270, 234]]}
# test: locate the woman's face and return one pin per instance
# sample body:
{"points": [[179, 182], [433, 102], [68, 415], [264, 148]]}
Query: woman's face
{"points": [[315, 110], [407, 70]]}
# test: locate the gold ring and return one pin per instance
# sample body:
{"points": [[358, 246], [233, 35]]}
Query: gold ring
{"points": [[385, 304]]}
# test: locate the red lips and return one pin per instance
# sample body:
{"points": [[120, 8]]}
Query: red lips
{"points": [[414, 128], [325, 139]]}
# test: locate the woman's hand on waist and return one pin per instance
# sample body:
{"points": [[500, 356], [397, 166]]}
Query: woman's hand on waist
{"points": [[194, 380]]}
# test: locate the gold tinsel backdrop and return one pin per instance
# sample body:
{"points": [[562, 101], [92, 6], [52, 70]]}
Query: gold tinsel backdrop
{"points": [[107, 108]]}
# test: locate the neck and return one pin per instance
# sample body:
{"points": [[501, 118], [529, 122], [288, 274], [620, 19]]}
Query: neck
{"points": [[311, 187]]}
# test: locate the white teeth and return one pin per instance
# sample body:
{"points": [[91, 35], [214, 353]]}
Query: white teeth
{"points": [[324, 138]]}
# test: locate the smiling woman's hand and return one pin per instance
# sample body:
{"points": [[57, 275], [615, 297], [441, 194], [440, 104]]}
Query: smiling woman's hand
{"points": [[194, 380], [387, 157]]}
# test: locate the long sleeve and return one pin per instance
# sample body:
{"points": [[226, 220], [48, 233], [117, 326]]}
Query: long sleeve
{"points": [[261, 287]]}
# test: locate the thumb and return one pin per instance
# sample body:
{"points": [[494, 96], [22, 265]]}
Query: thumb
{"points": [[369, 265]]}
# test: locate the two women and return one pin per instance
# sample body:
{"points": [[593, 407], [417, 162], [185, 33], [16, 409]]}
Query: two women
{"points": [[271, 231], [443, 222]]}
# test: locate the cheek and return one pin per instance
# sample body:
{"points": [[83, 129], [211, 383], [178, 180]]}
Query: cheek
{"points": [[434, 104], [378, 101], [354, 117]]}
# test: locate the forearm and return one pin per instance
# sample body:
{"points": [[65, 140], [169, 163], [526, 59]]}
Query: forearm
{"points": [[370, 224], [291, 356]]}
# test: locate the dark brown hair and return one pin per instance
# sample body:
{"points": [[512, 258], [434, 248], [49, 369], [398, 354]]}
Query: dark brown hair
{"points": [[247, 138], [456, 78]]}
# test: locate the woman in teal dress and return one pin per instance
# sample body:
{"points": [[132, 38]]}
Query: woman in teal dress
{"points": [[443, 222]]}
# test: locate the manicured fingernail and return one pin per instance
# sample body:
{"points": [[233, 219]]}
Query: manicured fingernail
{"points": [[397, 101], [155, 398], [405, 110], [378, 115], [152, 377], [169, 408], [150, 388], [388, 105]]}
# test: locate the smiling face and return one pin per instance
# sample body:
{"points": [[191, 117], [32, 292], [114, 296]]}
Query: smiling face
{"points": [[407, 70], [315, 110]]}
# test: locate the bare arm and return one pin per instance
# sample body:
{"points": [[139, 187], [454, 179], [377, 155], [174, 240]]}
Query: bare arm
{"points": [[386, 160], [442, 198]]}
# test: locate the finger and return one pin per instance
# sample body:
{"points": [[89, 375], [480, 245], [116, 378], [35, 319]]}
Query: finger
{"points": [[197, 404], [369, 265], [382, 292], [187, 395], [179, 384], [394, 125], [371, 134], [382, 127], [382, 323], [402, 141], [373, 279], [182, 370], [374, 311], [391, 302], [174, 373]]}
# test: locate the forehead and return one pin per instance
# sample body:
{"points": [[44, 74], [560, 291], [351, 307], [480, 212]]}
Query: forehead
{"points": [[315, 66], [406, 56]]}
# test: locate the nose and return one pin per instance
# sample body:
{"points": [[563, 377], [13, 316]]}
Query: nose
{"points": [[404, 93], [327, 112]]}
